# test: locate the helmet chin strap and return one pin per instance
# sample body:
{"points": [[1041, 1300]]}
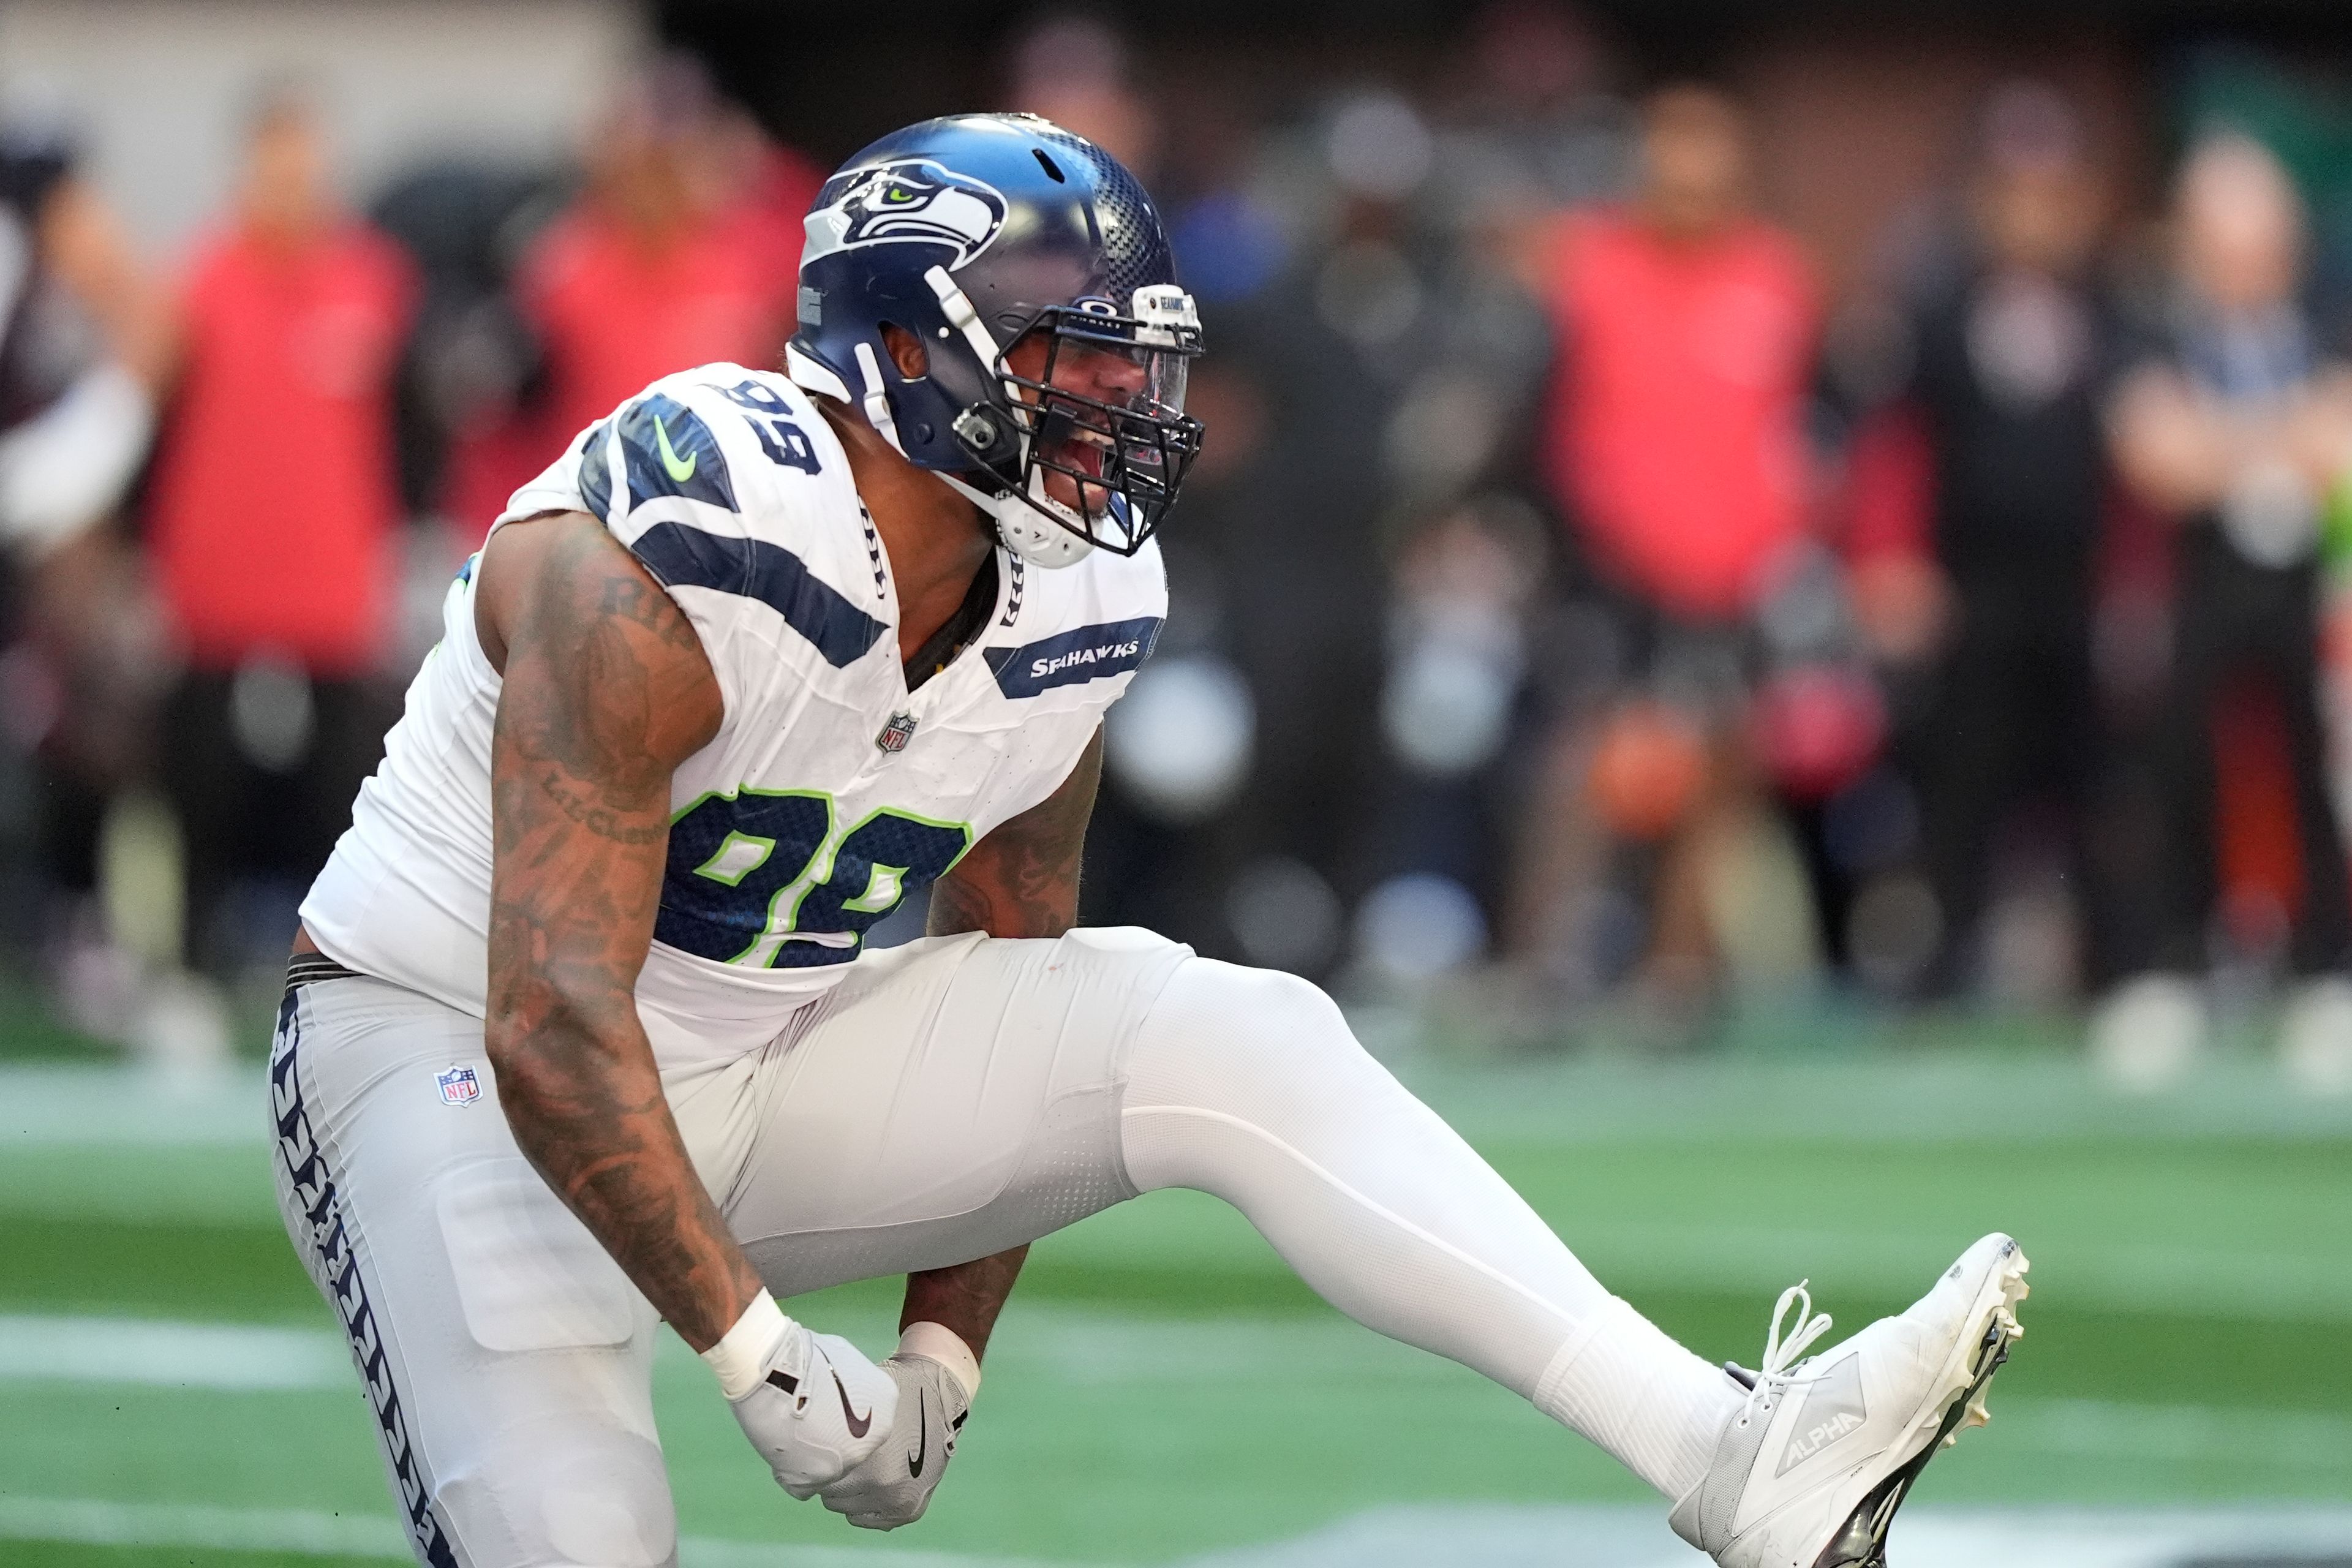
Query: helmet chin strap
{"points": [[1035, 539], [877, 401]]}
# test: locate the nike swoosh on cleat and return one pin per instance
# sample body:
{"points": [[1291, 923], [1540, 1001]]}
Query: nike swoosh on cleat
{"points": [[680, 471], [858, 1425], [922, 1440]]}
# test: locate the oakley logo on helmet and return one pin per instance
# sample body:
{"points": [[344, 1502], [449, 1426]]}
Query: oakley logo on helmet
{"points": [[914, 202]]}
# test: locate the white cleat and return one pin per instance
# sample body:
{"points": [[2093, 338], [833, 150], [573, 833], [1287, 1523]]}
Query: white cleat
{"points": [[1809, 1473]]}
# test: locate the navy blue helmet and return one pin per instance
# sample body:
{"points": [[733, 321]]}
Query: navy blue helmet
{"points": [[1035, 274]]}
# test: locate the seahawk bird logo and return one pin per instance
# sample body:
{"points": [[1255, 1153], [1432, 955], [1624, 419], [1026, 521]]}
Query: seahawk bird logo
{"points": [[913, 201]]}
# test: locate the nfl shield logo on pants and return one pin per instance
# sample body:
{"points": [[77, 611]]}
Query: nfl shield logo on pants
{"points": [[458, 1086]]}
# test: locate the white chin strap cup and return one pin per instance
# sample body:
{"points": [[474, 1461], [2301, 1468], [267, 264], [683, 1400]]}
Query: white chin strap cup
{"points": [[1034, 538]]}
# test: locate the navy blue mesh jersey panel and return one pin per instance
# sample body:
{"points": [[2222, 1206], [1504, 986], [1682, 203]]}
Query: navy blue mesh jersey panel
{"points": [[1134, 245]]}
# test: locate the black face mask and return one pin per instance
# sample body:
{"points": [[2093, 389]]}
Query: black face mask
{"points": [[1106, 414]]}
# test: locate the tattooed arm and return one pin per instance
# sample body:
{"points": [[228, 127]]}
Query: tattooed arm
{"points": [[606, 690], [1020, 880]]}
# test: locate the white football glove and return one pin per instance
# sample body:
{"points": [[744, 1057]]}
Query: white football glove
{"points": [[812, 1404], [937, 1376]]}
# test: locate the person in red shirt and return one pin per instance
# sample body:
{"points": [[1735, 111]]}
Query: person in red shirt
{"points": [[1675, 439], [271, 521], [1673, 445], [684, 249]]}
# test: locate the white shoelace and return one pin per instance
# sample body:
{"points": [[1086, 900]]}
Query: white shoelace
{"points": [[1779, 1356], [1778, 1370]]}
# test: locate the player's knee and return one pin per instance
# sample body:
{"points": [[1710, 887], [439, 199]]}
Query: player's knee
{"points": [[557, 1499], [1284, 1016], [1220, 1029]]}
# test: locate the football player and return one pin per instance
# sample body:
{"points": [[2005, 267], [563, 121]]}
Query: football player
{"points": [[578, 1035]]}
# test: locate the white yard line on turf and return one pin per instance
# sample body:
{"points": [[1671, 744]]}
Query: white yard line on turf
{"points": [[46, 1105], [303, 1533], [138, 1351], [1634, 1537], [90, 1521], [2116, 1277], [1494, 1536], [1569, 1098], [1065, 1346]]}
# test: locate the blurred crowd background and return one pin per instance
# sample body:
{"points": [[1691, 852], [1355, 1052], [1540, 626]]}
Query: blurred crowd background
{"points": [[1705, 513]]}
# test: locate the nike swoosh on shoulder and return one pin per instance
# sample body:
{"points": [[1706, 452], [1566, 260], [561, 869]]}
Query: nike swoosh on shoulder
{"points": [[680, 470], [858, 1425]]}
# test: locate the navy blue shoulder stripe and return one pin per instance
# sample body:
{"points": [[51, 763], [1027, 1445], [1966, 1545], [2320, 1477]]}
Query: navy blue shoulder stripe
{"points": [[686, 557], [596, 472], [1066, 658], [667, 450]]}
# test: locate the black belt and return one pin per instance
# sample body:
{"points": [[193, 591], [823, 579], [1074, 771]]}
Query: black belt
{"points": [[307, 968]]}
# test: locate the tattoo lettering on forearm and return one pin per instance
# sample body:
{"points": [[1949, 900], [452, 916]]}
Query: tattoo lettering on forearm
{"points": [[606, 691], [600, 820]]}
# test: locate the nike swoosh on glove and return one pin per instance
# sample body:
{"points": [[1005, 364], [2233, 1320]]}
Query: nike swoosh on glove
{"points": [[811, 1403], [892, 1486]]}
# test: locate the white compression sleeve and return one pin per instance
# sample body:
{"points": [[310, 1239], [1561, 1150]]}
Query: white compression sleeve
{"points": [[66, 468], [1247, 1084]]}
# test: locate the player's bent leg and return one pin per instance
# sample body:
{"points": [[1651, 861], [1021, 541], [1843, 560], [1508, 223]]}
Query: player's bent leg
{"points": [[506, 1358], [950, 1100], [1248, 1084], [956, 1097]]}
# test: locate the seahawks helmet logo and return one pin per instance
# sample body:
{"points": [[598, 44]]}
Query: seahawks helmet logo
{"points": [[913, 201]]}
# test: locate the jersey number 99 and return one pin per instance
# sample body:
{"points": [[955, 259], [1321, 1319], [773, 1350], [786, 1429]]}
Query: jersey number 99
{"points": [[760, 877]]}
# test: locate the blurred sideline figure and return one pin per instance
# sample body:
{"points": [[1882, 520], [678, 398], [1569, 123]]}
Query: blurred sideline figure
{"points": [[2237, 422], [679, 251], [1984, 596], [1523, 128], [1073, 69], [1219, 821], [1675, 447], [84, 331], [84, 340], [272, 518]]}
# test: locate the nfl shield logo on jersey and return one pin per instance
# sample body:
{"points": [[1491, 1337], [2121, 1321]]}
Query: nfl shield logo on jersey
{"points": [[458, 1086], [897, 732]]}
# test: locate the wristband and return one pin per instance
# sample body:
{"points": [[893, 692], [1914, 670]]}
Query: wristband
{"points": [[941, 1343], [741, 1357]]}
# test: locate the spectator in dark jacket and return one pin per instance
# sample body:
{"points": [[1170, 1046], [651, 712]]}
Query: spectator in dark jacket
{"points": [[2010, 343], [2237, 424]]}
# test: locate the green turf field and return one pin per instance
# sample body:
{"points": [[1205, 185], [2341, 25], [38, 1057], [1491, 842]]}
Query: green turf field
{"points": [[1161, 1391]]}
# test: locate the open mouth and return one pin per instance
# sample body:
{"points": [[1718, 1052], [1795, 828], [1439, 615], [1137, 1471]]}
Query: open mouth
{"points": [[1101, 401], [1079, 459]]}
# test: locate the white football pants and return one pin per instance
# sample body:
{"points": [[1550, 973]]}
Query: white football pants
{"points": [[948, 1099]]}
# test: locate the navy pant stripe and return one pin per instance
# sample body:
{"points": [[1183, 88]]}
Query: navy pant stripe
{"points": [[314, 1189]]}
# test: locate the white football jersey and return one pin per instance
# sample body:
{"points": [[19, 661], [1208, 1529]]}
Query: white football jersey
{"points": [[830, 795]]}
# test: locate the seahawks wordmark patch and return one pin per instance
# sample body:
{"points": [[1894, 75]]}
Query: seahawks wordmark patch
{"points": [[1088, 653]]}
